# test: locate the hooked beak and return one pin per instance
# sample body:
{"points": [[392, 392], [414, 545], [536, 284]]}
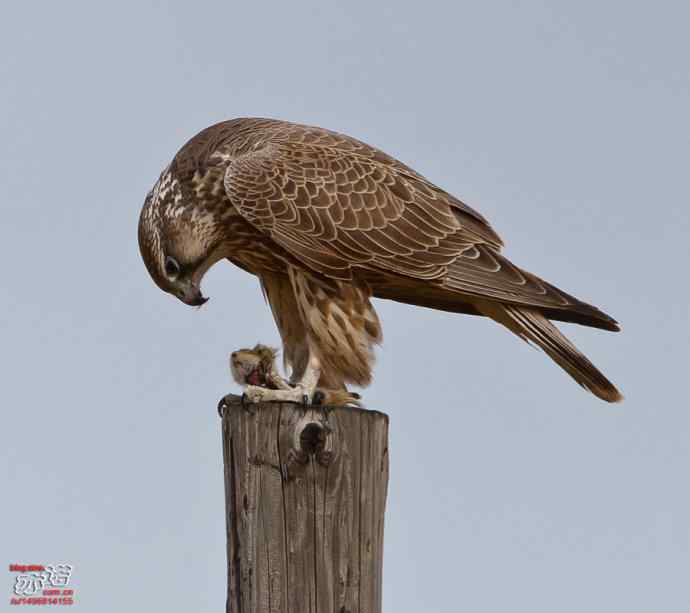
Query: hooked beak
{"points": [[192, 296]]}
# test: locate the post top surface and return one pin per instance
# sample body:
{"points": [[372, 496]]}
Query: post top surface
{"points": [[233, 401]]}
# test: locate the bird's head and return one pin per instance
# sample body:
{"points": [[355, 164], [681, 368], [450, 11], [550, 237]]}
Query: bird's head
{"points": [[179, 240]]}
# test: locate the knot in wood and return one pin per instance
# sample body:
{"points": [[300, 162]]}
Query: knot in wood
{"points": [[313, 438]]}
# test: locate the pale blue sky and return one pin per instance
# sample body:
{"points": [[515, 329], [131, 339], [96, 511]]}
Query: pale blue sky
{"points": [[511, 488]]}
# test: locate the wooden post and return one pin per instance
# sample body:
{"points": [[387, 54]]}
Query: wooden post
{"points": [[305, 495]]}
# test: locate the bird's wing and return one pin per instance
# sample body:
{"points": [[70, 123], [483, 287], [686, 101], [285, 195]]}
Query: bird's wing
{"points": [[338, 210]]}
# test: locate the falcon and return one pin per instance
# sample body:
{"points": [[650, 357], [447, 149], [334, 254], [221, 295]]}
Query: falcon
{"points": [[327, 222]]}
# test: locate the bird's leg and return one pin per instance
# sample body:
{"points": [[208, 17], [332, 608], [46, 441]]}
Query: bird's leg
{"points": [[303, 388], [310, 378]]}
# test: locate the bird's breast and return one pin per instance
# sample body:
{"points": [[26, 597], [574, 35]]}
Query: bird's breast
{"points": [[258, 255]]}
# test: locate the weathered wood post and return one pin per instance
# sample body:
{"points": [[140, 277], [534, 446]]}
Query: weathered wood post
{"points": [[305, 495]]}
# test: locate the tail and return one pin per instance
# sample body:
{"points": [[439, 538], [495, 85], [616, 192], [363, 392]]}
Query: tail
{"points": [[532, 326]]}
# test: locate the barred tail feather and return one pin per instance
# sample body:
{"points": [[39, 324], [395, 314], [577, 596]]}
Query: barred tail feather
{"points": [[532, 326]]}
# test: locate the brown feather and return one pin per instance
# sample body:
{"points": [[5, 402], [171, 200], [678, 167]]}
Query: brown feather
{"points": [[533, 327], [326, 221]]}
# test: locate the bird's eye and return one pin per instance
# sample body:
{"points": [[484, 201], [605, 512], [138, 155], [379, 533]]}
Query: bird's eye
{"points": [[172, 268]]}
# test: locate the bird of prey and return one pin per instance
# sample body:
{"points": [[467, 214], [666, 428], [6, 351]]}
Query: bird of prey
{"points": [[326, 222]]}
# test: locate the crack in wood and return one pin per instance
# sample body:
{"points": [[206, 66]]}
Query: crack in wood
{"points": [[305, 499]]}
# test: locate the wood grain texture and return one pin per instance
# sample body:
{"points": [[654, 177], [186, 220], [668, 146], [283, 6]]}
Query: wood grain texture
{"points": [[305, 498]]}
